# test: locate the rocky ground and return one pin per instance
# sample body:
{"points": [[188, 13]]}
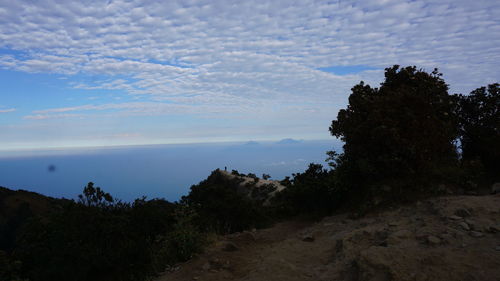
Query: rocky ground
{"points": [[446, 238]]}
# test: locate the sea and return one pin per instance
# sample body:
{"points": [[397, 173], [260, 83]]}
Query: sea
{"points": [[154, 171]]}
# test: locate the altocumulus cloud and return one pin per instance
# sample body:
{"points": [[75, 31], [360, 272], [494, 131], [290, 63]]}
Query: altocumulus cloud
{"points": [[7, 110], [258, 59]]}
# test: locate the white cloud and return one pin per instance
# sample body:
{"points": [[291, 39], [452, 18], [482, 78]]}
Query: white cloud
{"points": [[256, 58], [7, 110]]}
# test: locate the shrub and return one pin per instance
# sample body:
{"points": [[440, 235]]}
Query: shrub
{"points": [[221, 207], [399, 139]]}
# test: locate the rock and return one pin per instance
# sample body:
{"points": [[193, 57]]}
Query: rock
{"points": [[206, 266], [247, 235], [472, 224], [433, 240], [494, 228], [476, 234], [230, 247], [393, 223], [464, 226], [403, 234], [446, 237], [397, 237], [462, 212], [455, 218], [495, 188], [497, 248], [307, 238]]}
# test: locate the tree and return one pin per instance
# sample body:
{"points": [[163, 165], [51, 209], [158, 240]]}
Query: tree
{"points": [[479, 119], [399, 138], [310, 192], [222, 207], [95, 196]]}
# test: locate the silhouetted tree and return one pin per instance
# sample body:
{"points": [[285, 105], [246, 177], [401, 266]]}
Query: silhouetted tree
{"points": [[479, 119], [95, 196], [399, 138]]}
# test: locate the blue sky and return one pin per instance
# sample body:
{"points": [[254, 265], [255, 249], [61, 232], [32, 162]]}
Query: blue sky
{"points": [[98, 73]]}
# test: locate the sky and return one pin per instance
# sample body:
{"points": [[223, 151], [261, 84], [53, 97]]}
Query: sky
{"points": [[103, 73]]}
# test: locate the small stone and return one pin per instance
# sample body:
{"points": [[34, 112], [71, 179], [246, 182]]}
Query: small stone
{"points": [[494, 228], [476, 234], [446, 237], [248, 235], [196, 278], [433, 240], [205, 266], [307, 238], [462, 212], [455, 218], [394, 223], [398, 236], [472, 224], [404, 233], [230, 247], [464, 226]]}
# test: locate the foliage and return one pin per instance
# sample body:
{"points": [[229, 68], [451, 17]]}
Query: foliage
{"points": [[95, 196], [399, 138], [104, 239], [311, 192], [222, 208], [479, 119], [9, 269], [185, 239]]}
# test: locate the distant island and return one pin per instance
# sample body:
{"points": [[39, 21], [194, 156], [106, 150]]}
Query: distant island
{"points": [[289, 141]]}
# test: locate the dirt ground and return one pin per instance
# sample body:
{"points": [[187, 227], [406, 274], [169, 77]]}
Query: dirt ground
{"points": [[446, 238]]}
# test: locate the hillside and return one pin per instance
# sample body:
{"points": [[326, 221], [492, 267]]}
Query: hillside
{"points": [[445, 238], [16, 207]]}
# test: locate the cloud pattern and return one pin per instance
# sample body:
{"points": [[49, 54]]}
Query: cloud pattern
{"points": [[244, 59]]}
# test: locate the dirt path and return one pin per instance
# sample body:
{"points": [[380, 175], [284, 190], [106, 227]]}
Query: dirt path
{"points": [[450, 238]]}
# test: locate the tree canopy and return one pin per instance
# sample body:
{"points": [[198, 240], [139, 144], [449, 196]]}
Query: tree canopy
{"points": [[479, 126], [398, 137]]}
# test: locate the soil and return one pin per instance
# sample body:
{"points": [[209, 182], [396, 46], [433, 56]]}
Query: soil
{"points": [[445, 238]]}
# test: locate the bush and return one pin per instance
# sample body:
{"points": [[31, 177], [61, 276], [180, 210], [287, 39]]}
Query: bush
{"points": [[312, 192], [96, 240], [399, 139], [222, 208], [479, 116]]}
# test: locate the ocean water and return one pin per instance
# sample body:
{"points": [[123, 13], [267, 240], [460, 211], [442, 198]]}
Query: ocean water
{"points": [[156, 171]]}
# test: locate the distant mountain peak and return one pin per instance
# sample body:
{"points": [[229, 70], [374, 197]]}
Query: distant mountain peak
{"points": [[289, 141], [252, 143]]}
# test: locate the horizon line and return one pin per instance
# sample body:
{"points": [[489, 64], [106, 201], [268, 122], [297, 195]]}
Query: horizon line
{"points": [[54, 148]]}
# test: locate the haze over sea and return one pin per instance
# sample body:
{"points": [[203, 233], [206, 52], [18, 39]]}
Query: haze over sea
{"points": [[155, 171]]}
